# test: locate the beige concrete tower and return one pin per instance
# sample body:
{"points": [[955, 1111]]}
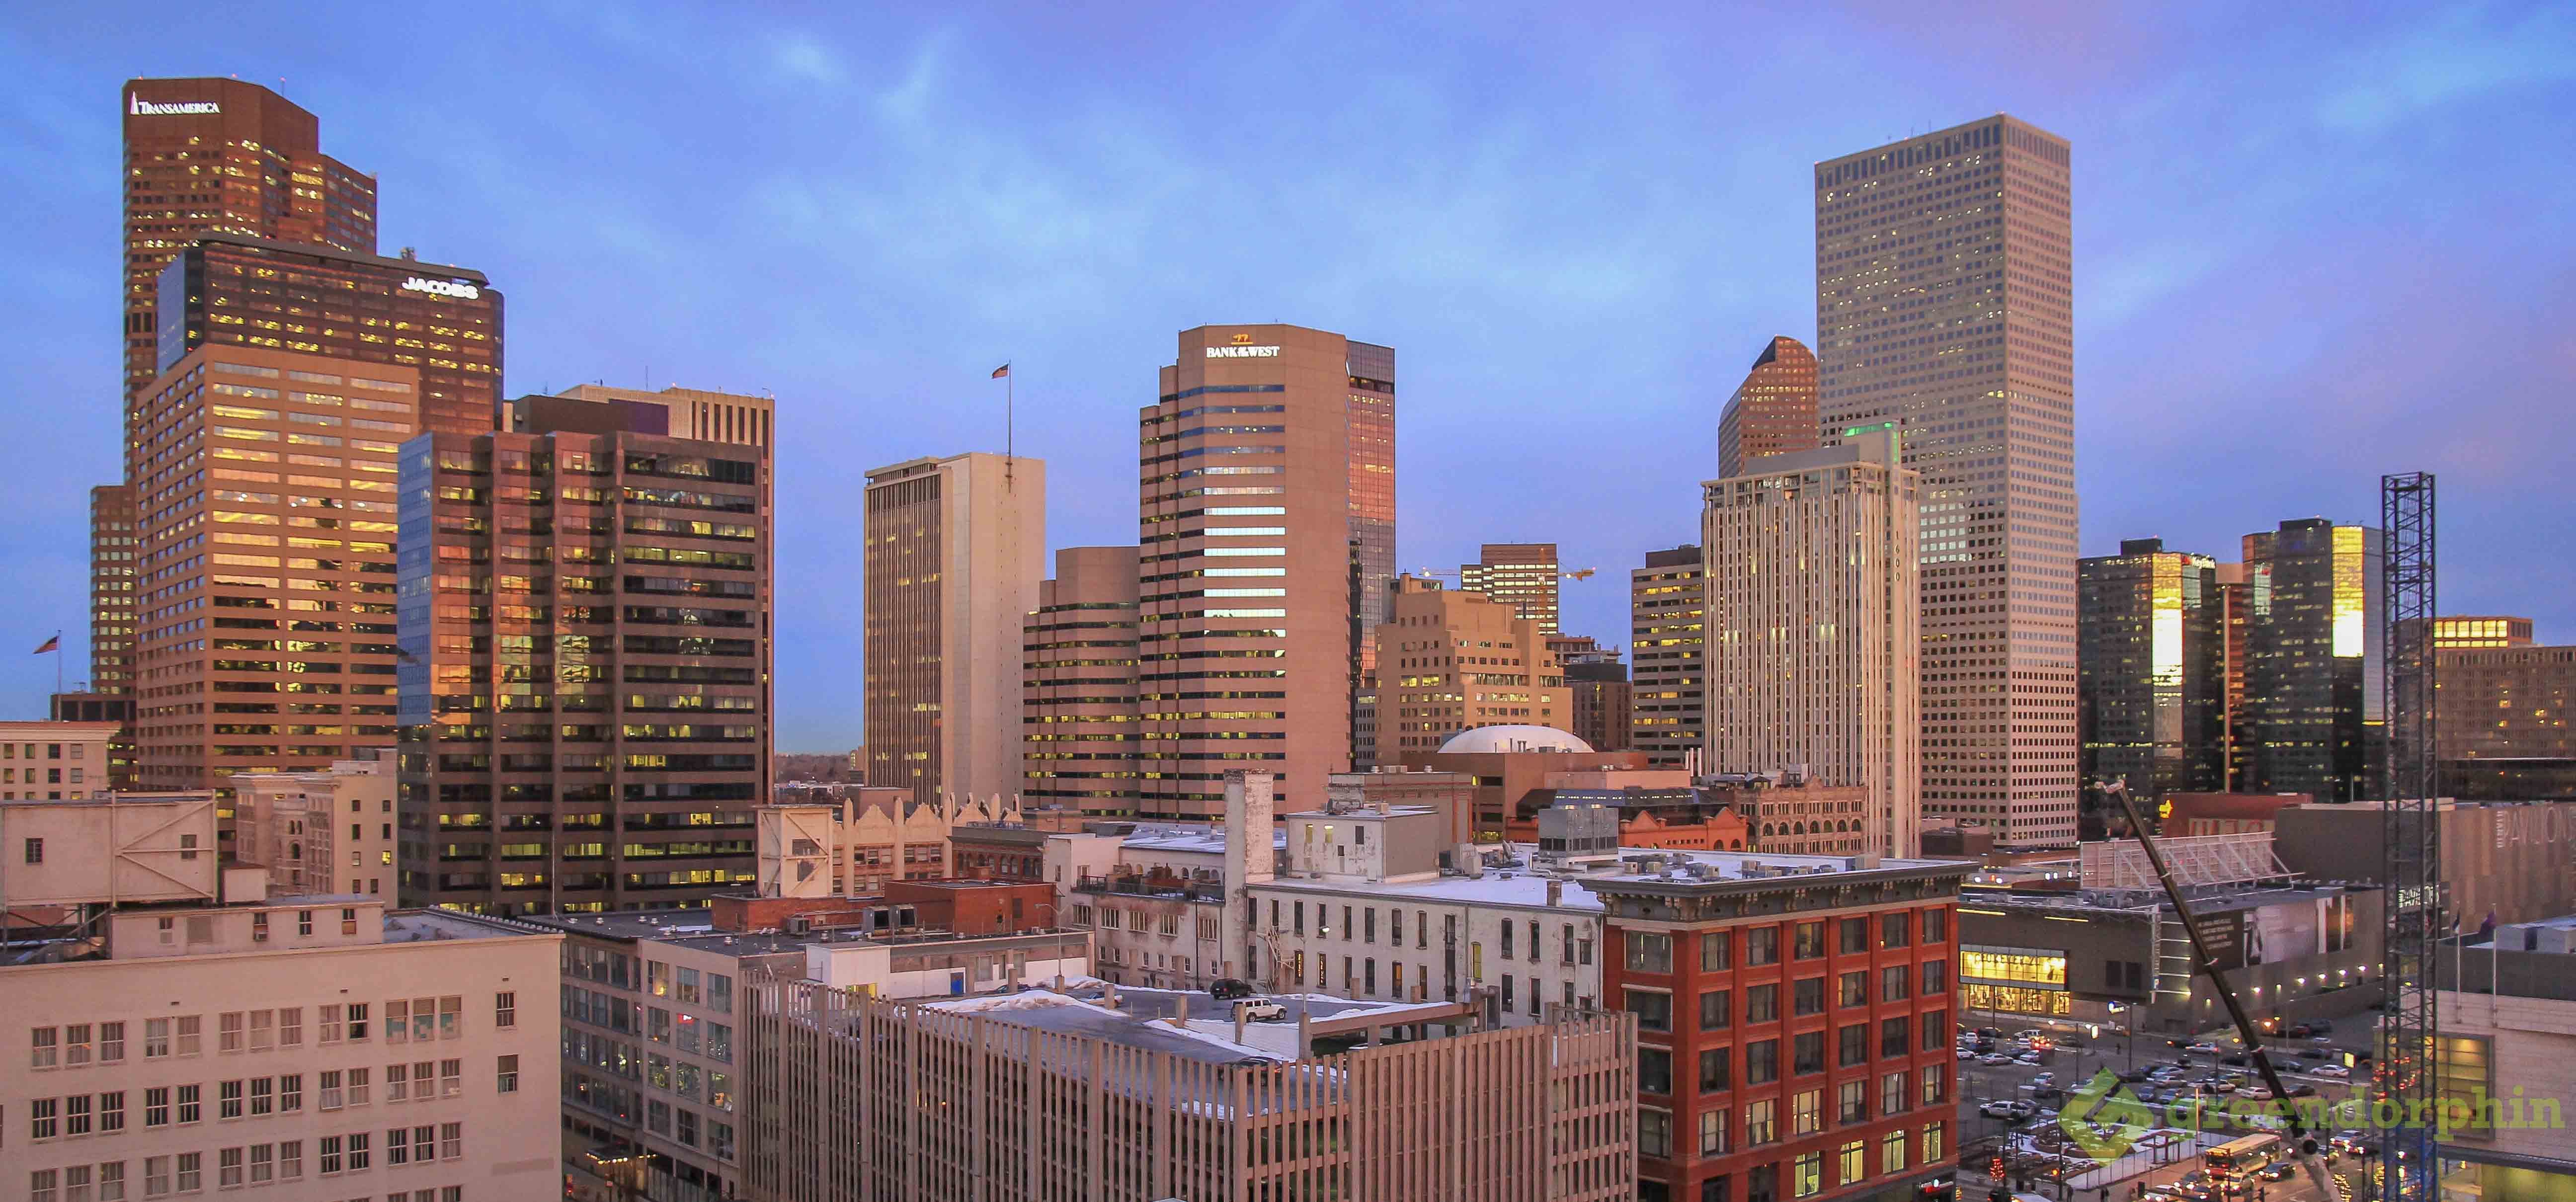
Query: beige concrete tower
{"points": [[955, 550], [1448, 661], [1813, 617], [1265, 492], [1944, 303], [1078, 707]]}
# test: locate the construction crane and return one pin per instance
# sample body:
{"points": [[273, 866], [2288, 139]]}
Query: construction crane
{"points": [[2302, 1144], [2414, 905]]}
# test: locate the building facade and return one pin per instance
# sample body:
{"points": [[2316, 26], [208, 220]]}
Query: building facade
{"points": [[440, 321], [1668, 698], [586, 669], [1522, 576], [57, 761], [1773, 411], [113, 540], [320, 832], [955, 550], [1812, 655], [2501, 721], [2151, 670], [265, 481], [2236, 620], [208, 156], [1793, 1030], [1266, 508], [1078, 716], [1451, 661], [2315, 701], [1944, 303], [1600, 699]]}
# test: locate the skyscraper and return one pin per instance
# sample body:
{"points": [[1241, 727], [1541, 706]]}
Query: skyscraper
{"points": [[585, 663], [1813, 653], [2235, 616], [1266, 511], [1667, 607], [209, 156], [1773, 411], [1521, 575], [1944, 303], [2314, 704], [1452, 661], [112, 551], [1078, 712], [955, 550], [1597, 690], [2152, 667]]}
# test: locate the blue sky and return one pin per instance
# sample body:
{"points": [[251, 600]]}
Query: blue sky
{"points": [[2313, 244]]}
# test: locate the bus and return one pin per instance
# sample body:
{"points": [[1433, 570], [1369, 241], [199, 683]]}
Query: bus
{"points": [[2237, 1159]]}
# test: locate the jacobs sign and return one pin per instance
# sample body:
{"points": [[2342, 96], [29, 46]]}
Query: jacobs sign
{"points": [[455, 288]]}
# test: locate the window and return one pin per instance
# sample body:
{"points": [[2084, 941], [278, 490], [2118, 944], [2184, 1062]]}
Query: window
{"points": [[1854, 989], [357, 1021], [43, 1047], [156, 1176], [331, 1027], [1717, 951], [44, 1118], [332, 1095], [263, 1030], [228, 1031], [1808, 996], [290, 1093], [1715, 1189], [1809, 940], [111, 1181], [1895, 929], [1762, 1062], [424, 1142], [1716, 1073], [192, 1171], [263, 1096], [451, 1078], [1895, 1036], [358, 1086], [1855, 936], [397, 1151], [1893, 983], [1891, 1152], [1761, 1122], [111, 1043], [111, 1112], [1851, 1102], [1935, 1028], [397, 1020], [228, 1099], [228, 1168], [1654, 1010], [1645, 951], [1851, 1045], [1714, 1010], [1712, 1131], [1807, 1053], [1762, 1004], [1762, 946], [357, 1151], [451, 1016], [508, 1075], [330, 1155], [191, 1034], [156, 1038], [290, 1160], [1936, 977], [1654, 1070], [1807, 1175], [263, 1163], [191, 1105], [505, 1007], [1654, 1132], [35, 847], [156, 1106], [1936, 1086], [1891, 1093], [1854, 1166], [41, 1183], [1933, 1134], [1936, 925], [398, 1083]]}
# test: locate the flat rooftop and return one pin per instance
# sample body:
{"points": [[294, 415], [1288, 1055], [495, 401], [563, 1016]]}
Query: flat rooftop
{"points": [[1524, 886], [1185, 837], [425, 926]]}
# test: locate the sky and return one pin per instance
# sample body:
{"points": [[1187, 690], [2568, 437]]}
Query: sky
{"points": [[2313, 244]]}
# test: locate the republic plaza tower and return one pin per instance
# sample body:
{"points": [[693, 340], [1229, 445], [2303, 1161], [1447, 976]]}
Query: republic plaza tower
{"points": [[1266, 544], [1944, 304]]}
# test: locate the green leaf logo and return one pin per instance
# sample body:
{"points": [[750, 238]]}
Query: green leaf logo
{"points": [[2104, 1119]]}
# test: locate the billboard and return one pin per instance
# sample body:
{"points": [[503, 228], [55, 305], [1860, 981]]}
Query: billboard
{"points": [[2223, 935], [2285, 931]]}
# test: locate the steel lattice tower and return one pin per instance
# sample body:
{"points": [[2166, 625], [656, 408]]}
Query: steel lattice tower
{"points": [[2415, 902]]}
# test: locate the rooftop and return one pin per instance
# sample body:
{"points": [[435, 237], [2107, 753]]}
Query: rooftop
{"points": [[1522, 885], [1488, 740], [1187, 837]]}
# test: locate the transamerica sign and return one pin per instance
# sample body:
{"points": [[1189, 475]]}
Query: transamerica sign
{"points": [[177, 108]]}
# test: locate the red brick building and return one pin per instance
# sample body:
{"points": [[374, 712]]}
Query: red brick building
{"points": [[1794, 1030]]}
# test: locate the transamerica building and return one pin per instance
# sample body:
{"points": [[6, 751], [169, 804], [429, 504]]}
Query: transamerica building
{"points": [[1944, 303]]}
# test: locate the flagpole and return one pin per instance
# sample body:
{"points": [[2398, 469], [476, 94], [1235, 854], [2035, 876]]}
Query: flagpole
{"points": [[1010, 414]]}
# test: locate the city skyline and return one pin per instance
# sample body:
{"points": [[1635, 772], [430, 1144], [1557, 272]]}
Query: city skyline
{"points": [[463, 182]]}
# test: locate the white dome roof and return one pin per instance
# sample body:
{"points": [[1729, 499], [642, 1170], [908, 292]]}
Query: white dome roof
{"points": [[1490, 739]]}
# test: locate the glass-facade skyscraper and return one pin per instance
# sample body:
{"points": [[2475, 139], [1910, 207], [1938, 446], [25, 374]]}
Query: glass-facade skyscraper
{"points": [[2151, 666], [1945, 304], [2315, 711]]}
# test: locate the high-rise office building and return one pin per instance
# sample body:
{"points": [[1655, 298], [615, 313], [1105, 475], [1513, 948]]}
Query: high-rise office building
{"points": [[2463, 631], [2500, 717], [1521, 575], [1597, 690], [585, 663], [441, 321], [1773, 411], [1944, 303], [1078, 716], [2314, 706], [1813, 653], [2235, 617], [1667, 604], [220, 156], [112, 545], [955, 550], [1452, 661], [1266, 510], [2151, 666], [265, 484]]}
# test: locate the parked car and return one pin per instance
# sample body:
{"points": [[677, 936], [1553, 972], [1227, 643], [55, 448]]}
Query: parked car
{"points": [[2303, 1090], [2234, 1058], [2028, 1058], [1965, 1054], [2322, 1039], [2313, 1053], [2204, 1047], [2134, 1075], [2336, 1071], [1994, 1058], [2278, 1170], [1228, 989]]}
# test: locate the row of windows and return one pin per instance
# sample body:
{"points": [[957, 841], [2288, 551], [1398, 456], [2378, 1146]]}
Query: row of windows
{"points": [[406, 1020]]}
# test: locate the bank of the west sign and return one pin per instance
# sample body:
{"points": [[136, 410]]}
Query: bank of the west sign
{"points": [[1243, 352]]}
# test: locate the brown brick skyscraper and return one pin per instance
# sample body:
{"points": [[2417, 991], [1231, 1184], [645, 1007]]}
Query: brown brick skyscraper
{"points": [[1773, 411]]}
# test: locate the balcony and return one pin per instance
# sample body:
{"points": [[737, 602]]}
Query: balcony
{"points": [[1170, 888]]}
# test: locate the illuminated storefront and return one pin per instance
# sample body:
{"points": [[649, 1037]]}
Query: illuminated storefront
{"points": [[2014, 980]]}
